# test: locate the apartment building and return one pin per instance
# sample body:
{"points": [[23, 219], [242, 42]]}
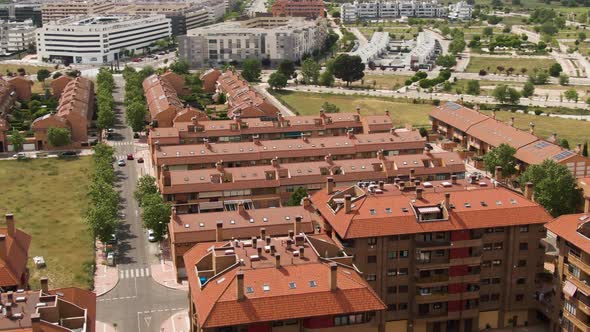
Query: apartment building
{"points": [[99, 39], [298, 8], [21, 12], [64, 309], [11, 90], [460, 11], [16, 36], [572, 268], [424, 54], [374, 10], [243, 130], [187, 230], [223, 189], [480, 133], [164, 104], [265, 38], [14, 254], [443, 256], [183, 16], [258, 152], [74, 112], [290, 283], [59, 10]]}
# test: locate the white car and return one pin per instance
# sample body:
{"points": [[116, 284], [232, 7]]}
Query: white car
{"points": [[151, 235], [121, 162], [19, 155]]}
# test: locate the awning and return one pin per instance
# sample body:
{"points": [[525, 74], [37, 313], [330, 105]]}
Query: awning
{"points": [[569, 289], [429, 209], [210, 205]]}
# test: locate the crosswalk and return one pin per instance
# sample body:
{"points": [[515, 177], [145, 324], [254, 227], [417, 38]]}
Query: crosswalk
{"points": [[121, 143], [134, 273]]}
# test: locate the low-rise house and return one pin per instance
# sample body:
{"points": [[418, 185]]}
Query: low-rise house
{"points": [[22, 87], [4, 128], [14, 253], [295, 283], [242, 100]]}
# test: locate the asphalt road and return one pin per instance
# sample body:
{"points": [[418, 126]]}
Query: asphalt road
{"points": [[137, 303]]}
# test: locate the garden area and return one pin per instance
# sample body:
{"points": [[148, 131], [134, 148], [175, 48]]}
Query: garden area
{"points": [[493, 65], [49, 199]]}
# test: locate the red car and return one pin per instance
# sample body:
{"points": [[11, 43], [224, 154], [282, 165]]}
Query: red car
{"points": [[140, 160], [130, 157]]}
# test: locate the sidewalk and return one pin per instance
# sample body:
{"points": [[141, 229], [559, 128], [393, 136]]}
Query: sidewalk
{"points": [[105, 327], [164, 273], [105, 277], [179, 322]]}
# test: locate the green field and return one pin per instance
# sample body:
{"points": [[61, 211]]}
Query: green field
{"points": [[491, 64], [4, 68], [400, 32], [48, 198], [309, 104], [385, 82]]}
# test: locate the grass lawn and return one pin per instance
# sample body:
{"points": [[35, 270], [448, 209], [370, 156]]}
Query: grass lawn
{"points": [[28, 68], [399, 32], [48, 199], [386, 82], [401, 113], [574, 131], [477, 63]]}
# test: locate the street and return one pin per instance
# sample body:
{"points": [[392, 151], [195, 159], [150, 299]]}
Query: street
{"points": [[137, 303]]}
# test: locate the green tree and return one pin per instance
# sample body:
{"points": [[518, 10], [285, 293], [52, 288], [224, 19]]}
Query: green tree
{"points": [[585, 149], [58, 136], [571, 95], [473, 87], [538, 77], [564, 143], [502, 156], [581, 36], [56, 75], [446, 61], [326, 78], [17, 140], [488, 31], [528, 89], [287, 68], [297, 196], [146, 185], [503, 94], [42, 75], [156, 214], [135, 116], [348, 68], [251, 69], [564, 79], [457, 45], [310, 70], [555, 187], [181, 67], [555, 70], [277, 81], [102, 222], [330, 108]]}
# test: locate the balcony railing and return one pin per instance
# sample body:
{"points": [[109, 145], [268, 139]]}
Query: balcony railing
{"points": [[579, 263], [584, 327], [433, 244], [432, 279]]}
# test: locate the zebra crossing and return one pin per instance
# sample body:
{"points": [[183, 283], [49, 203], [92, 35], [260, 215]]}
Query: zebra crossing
{"points": [[143, 272], [121, 143]]}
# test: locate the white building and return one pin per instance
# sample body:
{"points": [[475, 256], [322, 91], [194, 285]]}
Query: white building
{"points": [[16, 36], [426, 51], [461, 11], [265, 38], [374, 48], [375, 10], [99, 39]]}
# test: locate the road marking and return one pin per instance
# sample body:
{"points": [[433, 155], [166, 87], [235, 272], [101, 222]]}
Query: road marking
{"points": [[121, 274], [141, 272], [126, 274]]}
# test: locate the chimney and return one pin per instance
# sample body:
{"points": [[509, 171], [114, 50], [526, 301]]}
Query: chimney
{"points": [[273, 249], [275, 162], [322, 113], [240, 277], [256, 139], [396, 180], [347, 203], [329, 185], [587, 204], [207, 144], [36, 322], [3, 249], [578, 149], [306, 202], [387, 112], [494, 114], [259, 250], [278, 261], [419, 193], [238, 120], [532, 128], [453, 179], [392, 131], [267, 240], [417, 183], [381, 185], [528, 191], [280, 119], [333, 279], [301, 252], [358, 110], [412, 173], [219, 232], [512, 121], [8, 306], [498, 173], [173, 213], [448, 200], [219, 166], [10, 298], [241, 208], [254, 242], [554, 138], [297, 225], [304, 138], [350, 133], [195, 120], [380, 155], [262, 233], [44, 285], [157, 144], [328, 158], [10, 224], [291, 234]]}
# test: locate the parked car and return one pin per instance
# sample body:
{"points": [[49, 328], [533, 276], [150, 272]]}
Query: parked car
{"points": [[140, 160], [121, 162], [130, 156], [110, 130], [111, 259], [136, 60], [162, 53], [429, 146], [135, 135], [113, 240], [20, 155], [68, 154], [151, 235]]}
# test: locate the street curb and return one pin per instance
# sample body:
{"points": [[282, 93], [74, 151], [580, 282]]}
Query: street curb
{"points": [[108, 290], [164, 285]]}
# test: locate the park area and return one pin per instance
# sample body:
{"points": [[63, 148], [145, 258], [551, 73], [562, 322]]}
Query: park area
{"points": [[29, 69], [490, 64], [48, 198]]}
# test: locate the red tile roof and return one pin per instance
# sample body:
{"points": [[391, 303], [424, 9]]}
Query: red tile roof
{"points": [[566, 227], [457, 116], [17, 252]]}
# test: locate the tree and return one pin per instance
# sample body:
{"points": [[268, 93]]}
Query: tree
{"points": [[502, 156], [310, 71], [17, 140], [488, 31], [156, 214], [564, 143], [277, 81], [446, 61], [528, 89], [42, 75], [554, 187], [571, 95], [181, 67], [58, 136], [457, 45], [251, 69], [102, 222], [330, 108], [56, 75], [585, 149], [348, 68], [555, 70], [473, 87], [146, 185], [581, 36], [297, 196], [326, 78], [538, 77], [564, 79], [135, 116], [287, 68], [503, 94]]}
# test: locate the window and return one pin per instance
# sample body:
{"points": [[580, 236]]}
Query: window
{"points": [[498, 246], [569, 307], [402, 272], [391, 307], [497, 262], [495, 281], [437, 306], [372, 241], [574, 270], [371, 277], [391, 272], [519, 297], [524, 229], [402, 306], [495, 297], [439, 253], [403, 289], [521, 281], [393, 238], [487, 247], [371, 259], [499, 229], [349, 319], [484, 298], [403, 253], [391, 254], [404, 237], [521, 262], [391, 290], [523, 246]]}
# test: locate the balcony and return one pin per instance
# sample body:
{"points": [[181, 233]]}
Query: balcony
{"points": [[466, 261], [467, 243], [577, 261], [580, 284], [434, 280], [432, 298], [577, 321], [433, 245], [468, 278]]}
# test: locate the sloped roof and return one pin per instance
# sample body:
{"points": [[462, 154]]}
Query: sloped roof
{"points": [[17, 252]]}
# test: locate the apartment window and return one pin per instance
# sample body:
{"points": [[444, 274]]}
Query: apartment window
{"points": [[574, 270], [486, 264], [521, 281], [499, 230], [521, 263], [497, 262], [393, 238], [569, 307], [437, 306], [349, 319], [519, 297], [487, 247], [391, 254], [484, 298], [402, 272], [403, 253], [391, 307], [498, 246], [495, 297], [391, 290], [372, 241], [402, 306], [391, 272], [523, 246], [371, 259], [402, 289], [495, 281], [486, 281], [371, 277], [524, 229], [439, 253], [404, 237]]}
